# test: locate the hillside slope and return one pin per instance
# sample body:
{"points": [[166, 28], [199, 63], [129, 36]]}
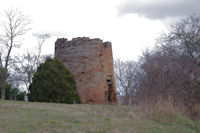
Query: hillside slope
{"points": [[21, 117]]}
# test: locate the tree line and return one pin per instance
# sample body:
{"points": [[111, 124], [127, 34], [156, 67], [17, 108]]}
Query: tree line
{"points": [[166, 78]]}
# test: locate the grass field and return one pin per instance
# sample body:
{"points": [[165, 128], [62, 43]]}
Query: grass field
{"points": [[21, 117]]}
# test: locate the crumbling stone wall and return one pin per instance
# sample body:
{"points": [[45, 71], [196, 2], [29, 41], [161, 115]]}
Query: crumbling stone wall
{"points": [[91, 63]]}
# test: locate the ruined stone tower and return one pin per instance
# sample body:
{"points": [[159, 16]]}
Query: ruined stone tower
{"points": [[91, 63]]}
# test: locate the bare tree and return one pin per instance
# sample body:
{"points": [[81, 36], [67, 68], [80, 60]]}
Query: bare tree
{"points": [[41, 38], [126, 73], [27, 64], [13, 27], [25, 67], [184, 37], [169, 74]]}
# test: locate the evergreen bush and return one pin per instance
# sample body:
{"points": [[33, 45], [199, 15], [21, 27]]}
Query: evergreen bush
{"points": [[53, 83]]}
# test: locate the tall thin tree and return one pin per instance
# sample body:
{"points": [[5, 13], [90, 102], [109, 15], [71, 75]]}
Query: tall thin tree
{"points": [[14, 25], [41, 38]]}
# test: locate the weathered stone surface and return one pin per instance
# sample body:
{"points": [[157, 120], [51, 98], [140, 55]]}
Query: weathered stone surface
{"points": [[91, 63]]}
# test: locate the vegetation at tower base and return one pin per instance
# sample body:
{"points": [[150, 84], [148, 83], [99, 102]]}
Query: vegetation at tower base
{"points": [[53, 83]]}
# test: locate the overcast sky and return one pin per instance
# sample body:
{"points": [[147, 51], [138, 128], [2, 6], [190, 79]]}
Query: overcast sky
{"points": [[131, 25]]}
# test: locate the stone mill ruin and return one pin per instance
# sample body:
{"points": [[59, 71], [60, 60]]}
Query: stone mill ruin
{"points": [[91, 63]]}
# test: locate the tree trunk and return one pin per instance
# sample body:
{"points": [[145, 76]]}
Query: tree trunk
{"points": [[2, 93], [2, 83], [2, 90]]}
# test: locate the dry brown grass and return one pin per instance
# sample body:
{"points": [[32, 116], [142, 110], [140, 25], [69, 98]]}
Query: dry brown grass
{"points": [[163, 106]]}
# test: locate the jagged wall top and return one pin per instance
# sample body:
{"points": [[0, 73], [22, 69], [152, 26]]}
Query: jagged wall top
{"points": [[63, 42]]}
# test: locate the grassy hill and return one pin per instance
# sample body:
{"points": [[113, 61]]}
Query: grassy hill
{"points": [[21, 117]]}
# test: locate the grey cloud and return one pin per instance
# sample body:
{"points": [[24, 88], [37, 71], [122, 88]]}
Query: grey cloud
{"points": [[53, 33], [58, 34], [158, 9]]}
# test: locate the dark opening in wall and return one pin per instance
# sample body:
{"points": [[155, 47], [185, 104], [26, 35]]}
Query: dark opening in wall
{"points": [[91, 101], [106, 44], [109, 81], [109, 92]]}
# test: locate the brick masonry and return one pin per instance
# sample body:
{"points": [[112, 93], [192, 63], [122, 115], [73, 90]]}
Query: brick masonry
{"points": [[91, 63]]}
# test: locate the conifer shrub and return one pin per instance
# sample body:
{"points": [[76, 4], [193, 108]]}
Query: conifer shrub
{"points": [[53, 83]]}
